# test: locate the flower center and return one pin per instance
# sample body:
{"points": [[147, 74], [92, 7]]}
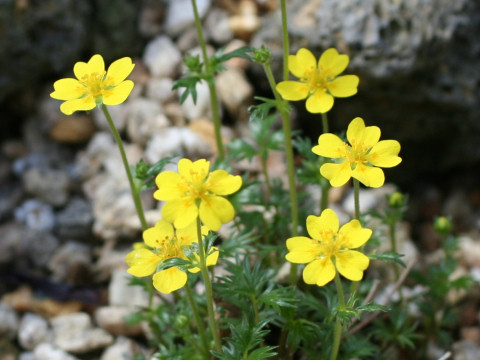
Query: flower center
{"points": [[315, 79], [168, 248], [357, 153], [330, 245], [94, 83], [196, 188]]}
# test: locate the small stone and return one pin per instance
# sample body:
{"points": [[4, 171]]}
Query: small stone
{"points": [[69, 257], [39, 247], [33, 331], [202, 107], [471, 333], [36, 215], [145, 117], [180, 15], [118, 114], [74, 333], [246, 22], [113, 319], [73, 129], [124, 295], [27, 355], [8, 321], [160, 89], [123, 348], [217, 26], [469, 251], [10, 197], [51, 186], [47, 351], [162, 56], [466, 350], [75, 220], [233, 89], [20, 300]]}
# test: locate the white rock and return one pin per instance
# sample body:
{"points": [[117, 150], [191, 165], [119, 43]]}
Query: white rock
{"points": [[118, 114], [144, 117], [233, 89], [160, 89], [180, 15], [74, 333], [123, 348], [123, 295], [47, 351], [217, 27], [162, 57], [69, 256], [8, 321], [26, 355], [113, 320], [202, 107], [33, 331], [369, 198]]}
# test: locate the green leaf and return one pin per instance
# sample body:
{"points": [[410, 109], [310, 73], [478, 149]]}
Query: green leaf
{"points": [[388, 256]]}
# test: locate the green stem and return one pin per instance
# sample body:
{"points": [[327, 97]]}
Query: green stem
{"points": [[267, 178], [211, 83], [325, 123], [356, 197], [337, 337], [326, 185], [255, 309], [290, 164], [133, 188], [198, 320], [286, 46], [208, 288]]}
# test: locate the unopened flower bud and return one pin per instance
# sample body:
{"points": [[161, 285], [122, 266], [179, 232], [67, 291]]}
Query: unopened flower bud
{"points": [[442, 225]]}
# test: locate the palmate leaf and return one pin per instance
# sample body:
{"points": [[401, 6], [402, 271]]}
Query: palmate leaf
{"points": [[217, 60], [190, 85]]}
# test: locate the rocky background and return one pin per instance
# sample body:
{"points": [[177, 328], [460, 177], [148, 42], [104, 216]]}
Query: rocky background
{"points": [[66, 215]]}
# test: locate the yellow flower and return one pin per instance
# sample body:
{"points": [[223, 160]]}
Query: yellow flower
{"points": [[361, 159], [319, 84], [195, 191], [329, 249], [93, 86], [165, 244]]}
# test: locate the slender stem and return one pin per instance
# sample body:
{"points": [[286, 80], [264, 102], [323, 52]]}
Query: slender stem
{"points": [[324, 200], [211, 83], [267, 178], [286, 46], [208, 289], [337, 337], [325, 123], [255, 309], [290, 164], [356, 197], [198, 320], [133, 188]]}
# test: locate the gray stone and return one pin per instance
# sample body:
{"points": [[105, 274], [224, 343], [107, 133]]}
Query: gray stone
{"points": [[234, 90], [68, 257], [114, 320], [201, 107], [46, 351], [160, 89], [120, 293], [26, 355], [36, 215], [33, 331], [75, 333], [8, 321], [75, 220], [10, 197], [39, 247], [180, 15], [162, 57], [123, 348], [466, 350], [51, 186], [144, 117], [216, 26]]}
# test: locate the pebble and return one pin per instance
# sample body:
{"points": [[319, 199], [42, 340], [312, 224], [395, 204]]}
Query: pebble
{"points": [[369, 199], [120, 293], [160, 89], [180, 15], [118, 114], [233, 97], [9, 322], [466, 350], [33, 330], [246, 22], [217, 26], [202, 107], [46, 351], [162, 57], [73, 129], [68, 258], [75, 333], [75, 220], [123, 348], [114, 320], [10, 197], [36, 215], [51, 186], [40, 246]]}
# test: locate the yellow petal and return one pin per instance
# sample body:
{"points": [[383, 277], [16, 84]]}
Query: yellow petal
{"points": [[84, 104], [156, 236], [221, 182], [330, 145], [301, 249], [318, 227], [292, 90], [67, 89], [180, 212], [301, 63], [118, 94], [358, 133], [332, 63], [169, 280], [353, 235], [119, 70], [351, 264], [194, 172], [212, 259], [337, 174], [96, 64], [214, 211], [168, 186], [384, 154], [369, 176], [319, 102], [319, 272], [142, 262], [343, 86], [188, 235]]}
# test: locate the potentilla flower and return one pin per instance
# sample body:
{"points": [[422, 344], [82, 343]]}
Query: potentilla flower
{"points": [[164, 243], [360, 158], [329, 249], [93, 85], [319, 84], [195, 191]]}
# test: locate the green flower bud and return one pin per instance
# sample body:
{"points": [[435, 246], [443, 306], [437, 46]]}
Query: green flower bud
{"points": [[442, 225], [396, 200], [181, 321], [261, 55]]}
